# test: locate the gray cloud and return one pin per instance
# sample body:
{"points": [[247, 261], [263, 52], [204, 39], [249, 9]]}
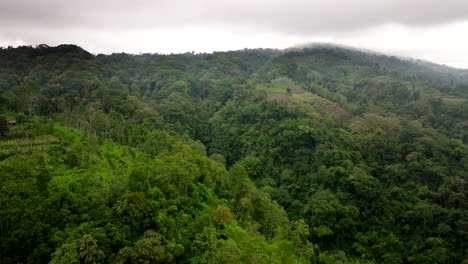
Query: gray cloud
{"points": [[302, 17], [291, 16]]}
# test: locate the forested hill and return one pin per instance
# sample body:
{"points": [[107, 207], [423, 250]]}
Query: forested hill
{"points": [[402, 65], [314, 155]]}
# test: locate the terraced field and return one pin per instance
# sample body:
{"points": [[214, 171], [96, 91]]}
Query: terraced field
{"points": [[27, 145]]}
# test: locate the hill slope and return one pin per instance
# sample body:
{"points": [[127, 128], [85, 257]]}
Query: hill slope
{"points": [[314, 155]]}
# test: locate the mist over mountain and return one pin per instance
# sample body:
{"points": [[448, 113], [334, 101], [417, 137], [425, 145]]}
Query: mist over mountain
{"points": [[318, 153]]}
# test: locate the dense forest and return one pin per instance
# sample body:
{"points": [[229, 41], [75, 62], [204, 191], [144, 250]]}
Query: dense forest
{"points": [[320, 154]]}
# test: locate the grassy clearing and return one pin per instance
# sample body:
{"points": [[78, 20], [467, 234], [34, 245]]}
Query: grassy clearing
{"points": [[280, 85], [271, 88], [452, 99], [275, 90], [306, 97]]}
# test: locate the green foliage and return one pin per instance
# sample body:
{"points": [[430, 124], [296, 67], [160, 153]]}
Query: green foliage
{"points": [[82, 251], [315, 155], [222, 215], [152, 248]]}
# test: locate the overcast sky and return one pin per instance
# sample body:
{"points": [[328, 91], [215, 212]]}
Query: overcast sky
{"points": [[434, 30]]}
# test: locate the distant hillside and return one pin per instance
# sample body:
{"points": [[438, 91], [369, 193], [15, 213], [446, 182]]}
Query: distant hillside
{"points": [[402, 65]]}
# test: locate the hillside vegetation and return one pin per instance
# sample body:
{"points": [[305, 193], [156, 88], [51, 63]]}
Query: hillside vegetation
{"points": [[314, 155]]}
